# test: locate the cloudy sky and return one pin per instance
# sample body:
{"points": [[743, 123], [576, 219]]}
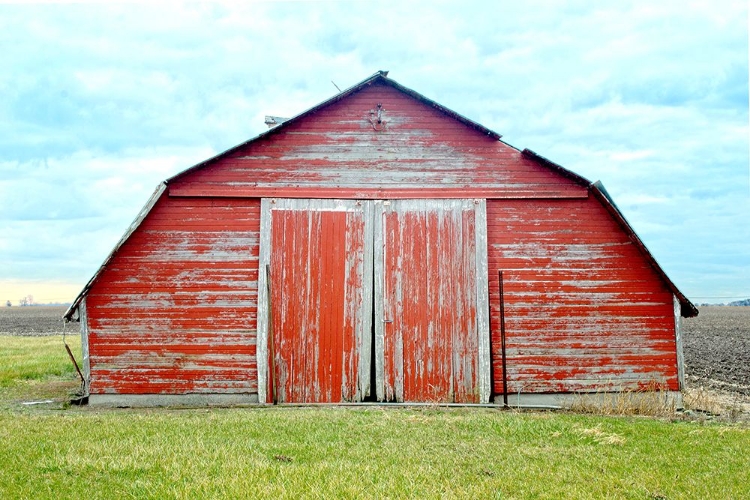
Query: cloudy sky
{"points": [[100, 103]]}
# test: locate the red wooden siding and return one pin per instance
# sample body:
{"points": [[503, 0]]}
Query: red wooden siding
{"points": [[174, 312], [316, 291], [584, 309], [336, 153], [429, 301], [410, 216]]}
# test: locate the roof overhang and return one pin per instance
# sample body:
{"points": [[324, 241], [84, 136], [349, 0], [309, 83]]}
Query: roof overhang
{"points": [[158, 192], [581, 181], [687, 308]]}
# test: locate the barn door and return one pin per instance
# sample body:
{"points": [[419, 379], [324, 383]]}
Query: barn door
{"points": [[320, 303], [431, 307]]}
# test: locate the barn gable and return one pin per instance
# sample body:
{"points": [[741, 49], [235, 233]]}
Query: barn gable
{"points": [[377, 140], [333, 219]]}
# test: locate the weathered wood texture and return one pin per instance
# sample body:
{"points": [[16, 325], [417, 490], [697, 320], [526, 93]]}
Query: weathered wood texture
{"points": [[426, 260], [428, 333], [321, 275], [584, 310], [174, 311], [337, 152], [83, 318]]}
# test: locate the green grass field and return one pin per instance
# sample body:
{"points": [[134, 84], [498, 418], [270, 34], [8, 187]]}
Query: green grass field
{"points": [[57, 451]]}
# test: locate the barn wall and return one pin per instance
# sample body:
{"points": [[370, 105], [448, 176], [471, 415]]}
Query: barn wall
{"points": [[339, 152], [584, 310], [174, 309], [174, 312]]}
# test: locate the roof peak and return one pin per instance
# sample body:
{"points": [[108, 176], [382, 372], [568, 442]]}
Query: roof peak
{"points": [[380, 75]]}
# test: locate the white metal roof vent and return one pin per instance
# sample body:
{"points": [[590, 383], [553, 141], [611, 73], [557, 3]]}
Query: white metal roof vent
{"points": [[272, 121]]}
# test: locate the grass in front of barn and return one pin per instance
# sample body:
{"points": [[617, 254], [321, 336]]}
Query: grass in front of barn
{"points": [[37, 367], [58, 452]]}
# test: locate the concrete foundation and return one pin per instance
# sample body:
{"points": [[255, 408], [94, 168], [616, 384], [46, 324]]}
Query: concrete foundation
{"points": [[523, 400], [562, 401], [153, 400]]}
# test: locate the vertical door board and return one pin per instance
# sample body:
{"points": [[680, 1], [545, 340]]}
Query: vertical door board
{"points": [[431, 311], [320, 256]]}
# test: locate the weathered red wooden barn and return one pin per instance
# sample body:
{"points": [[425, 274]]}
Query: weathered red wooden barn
{"points": [[377, 247]]}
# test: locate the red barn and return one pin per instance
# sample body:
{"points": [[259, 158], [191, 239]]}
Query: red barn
{"points": [[377, 247]]}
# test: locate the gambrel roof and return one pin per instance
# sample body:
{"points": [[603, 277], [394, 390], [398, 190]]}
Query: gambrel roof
{"points": [[577, 186]]}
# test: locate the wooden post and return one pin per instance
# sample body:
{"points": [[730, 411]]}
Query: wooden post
{"points": [[73, 359], [272, 367], [502, 340]]}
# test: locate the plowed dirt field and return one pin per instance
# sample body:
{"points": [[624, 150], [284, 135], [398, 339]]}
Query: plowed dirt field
{"points": [[34, 320], [717, 348]]}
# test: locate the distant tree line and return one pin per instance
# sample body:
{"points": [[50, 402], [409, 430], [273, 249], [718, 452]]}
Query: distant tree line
{"points": [[29, 301], [743, 302], [26, 301]]}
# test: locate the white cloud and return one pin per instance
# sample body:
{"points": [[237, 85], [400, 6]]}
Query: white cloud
{"points": [[652, 98]]}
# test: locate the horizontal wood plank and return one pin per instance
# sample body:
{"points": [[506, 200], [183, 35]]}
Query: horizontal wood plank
{"points": [[175, 311], [584, 310]]}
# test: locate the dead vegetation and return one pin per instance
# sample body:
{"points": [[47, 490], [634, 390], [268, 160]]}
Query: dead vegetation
{"points": [[701, 402], [654, 401], [697, 404]]}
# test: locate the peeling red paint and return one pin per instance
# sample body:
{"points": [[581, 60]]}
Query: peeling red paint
{"points": [[583, 309], [430, 303], [175, 310], [337, 155], [316, 277]]}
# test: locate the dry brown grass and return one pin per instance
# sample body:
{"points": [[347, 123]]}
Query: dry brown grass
{"points": [[723, 405], [702, 400], [654, 401], [600, 436]]}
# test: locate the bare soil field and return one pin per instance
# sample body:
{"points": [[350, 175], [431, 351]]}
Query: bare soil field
{"points": [[717, 348], [34, 320]]}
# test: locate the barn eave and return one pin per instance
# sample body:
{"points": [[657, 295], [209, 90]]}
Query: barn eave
{"points": [[687, 308], [158, 192], [581, 181]]}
